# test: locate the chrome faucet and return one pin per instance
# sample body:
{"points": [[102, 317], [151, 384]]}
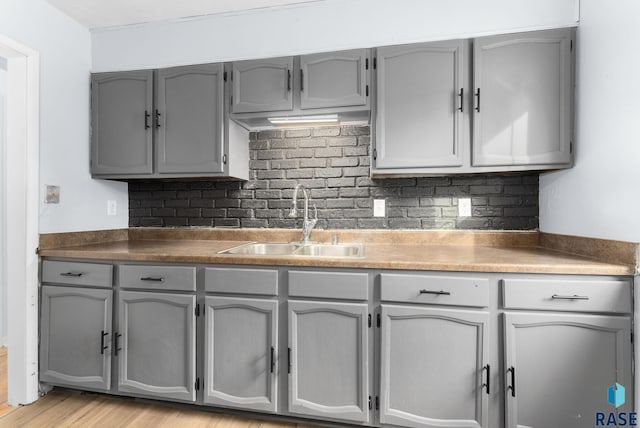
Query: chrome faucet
{"points": [[307, 223]]}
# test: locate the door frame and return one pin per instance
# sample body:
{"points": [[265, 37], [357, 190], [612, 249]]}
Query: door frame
{"points": [[21, 262]]}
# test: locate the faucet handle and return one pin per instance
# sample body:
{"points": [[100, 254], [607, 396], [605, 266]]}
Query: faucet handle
{"points": [[315, 212]]}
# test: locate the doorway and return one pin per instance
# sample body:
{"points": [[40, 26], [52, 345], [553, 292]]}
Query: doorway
{"points": [[19, 261]]}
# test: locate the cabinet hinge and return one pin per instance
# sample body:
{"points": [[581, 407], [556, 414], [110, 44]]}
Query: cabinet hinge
{"points": [[197, 384], [377, 402], [367, 90], [224, 159], [375, 154], [224, 76], [197, 310], [378, 321], [370, 403], [375, 63], [369, 320], [366, 67]]}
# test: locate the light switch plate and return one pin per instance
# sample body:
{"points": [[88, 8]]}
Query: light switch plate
{"points": [[53, 195], [112, 207], [378, 207], [464, 207]]}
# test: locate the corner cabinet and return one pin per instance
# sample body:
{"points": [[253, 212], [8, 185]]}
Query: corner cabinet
{"points": [[167, 123], [522, 99]]}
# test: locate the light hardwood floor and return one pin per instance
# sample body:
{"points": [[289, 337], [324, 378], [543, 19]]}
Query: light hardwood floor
{"points": [[4, 408], [62, 408]]}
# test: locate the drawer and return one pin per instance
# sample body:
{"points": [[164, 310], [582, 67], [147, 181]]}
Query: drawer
{"points": [[329, 285], [77, 273], [435, 289], [581, 295], [241, 281], [181, 278]]}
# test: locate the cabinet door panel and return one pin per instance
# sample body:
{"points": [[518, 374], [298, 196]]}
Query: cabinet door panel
{"points": [[432, 367], [525, 105], [565, 364], [333, 80], [241, 351], [72, 323], [329, 374], [121, 135], [157, 355], [262, 85], [190, 104], [418, 122]]}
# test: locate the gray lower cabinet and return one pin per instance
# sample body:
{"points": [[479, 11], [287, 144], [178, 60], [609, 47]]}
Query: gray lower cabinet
{"points": [[328, 360], [241, 349], [156, 345], [75, 337], [559, 368], [434, 369], [522, 99]]}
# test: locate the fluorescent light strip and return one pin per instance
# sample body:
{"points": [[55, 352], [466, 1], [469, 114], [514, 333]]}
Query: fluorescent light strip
{"points": [[296, 120]]}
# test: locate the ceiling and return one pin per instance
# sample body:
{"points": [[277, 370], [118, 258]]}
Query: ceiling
{"points": [[110, 13]]}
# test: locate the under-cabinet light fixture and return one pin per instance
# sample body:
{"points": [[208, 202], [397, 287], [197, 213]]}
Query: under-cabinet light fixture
{"points": [[322, 119]]}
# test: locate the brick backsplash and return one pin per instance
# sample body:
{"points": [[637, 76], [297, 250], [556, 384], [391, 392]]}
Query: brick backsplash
{"points": [[333, 162]]}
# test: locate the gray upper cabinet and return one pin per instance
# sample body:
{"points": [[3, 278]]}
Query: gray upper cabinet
{"points": [[156, 345], [241, 353], [189, 119], [564, 364], [420, 105], [434, 367], [334, 79], [522, 99], [262, 85], [75, 337], [328, 360], [121, 135]]}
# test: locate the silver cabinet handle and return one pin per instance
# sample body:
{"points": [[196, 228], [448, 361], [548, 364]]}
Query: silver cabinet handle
{"points": [[574, 297], [439, 293]]}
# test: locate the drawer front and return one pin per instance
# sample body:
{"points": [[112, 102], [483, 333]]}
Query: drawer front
{"points": [[241, 281], [182, 278], [77, 273], [586, 295], [435, 289], [329, 285]]}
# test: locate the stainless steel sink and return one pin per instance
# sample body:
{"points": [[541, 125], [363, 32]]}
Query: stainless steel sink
{"points": [[298, 249]]}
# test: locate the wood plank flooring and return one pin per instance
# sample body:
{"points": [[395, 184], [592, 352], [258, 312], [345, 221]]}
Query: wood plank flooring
{"points": [[4, 407], [62, 408]]}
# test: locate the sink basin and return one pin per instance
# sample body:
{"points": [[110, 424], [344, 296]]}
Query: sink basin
{"points": [[297, 249], [264, 249]]}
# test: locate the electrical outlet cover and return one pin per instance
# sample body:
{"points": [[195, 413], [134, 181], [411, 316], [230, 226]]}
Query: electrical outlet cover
{"points": [[53, 195]]}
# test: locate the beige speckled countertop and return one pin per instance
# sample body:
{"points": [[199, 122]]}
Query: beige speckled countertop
{"points": [[517, 252]]}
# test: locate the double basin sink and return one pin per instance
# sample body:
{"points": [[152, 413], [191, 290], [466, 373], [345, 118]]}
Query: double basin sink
{"points": [[298, 249]]}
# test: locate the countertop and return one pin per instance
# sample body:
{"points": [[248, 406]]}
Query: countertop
{"points": [[488, 256]]}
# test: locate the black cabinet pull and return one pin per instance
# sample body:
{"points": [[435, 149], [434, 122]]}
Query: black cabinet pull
{"points": [[439, 293], [461, 97], [288, 80], [288, 360], [152, 278], [273, 359], [157, 118], [512, 387], [72, 274], [487, 385], [116, 346], [146, 119], [478, 100], [102, 346], [301, 80]]}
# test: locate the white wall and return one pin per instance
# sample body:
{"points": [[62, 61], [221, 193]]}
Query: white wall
{"points": [[600, 196], [320, 26], [65, 58], [3, 236]]}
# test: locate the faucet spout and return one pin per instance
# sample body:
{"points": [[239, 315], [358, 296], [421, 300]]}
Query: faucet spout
{"points": [[307, 223]]}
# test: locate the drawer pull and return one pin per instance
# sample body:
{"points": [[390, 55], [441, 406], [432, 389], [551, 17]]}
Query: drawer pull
{"points": [[152, 278], [438, 293], [72, 274], [574, 297], [273, 359]]}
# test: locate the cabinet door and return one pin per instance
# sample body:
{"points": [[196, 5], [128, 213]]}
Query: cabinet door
{"points": [[564, 365], [189, 125], [328, 360], [156, 353], [334, 79], [241, 350], [419, 111], [75, 337], [121, 134], [262, 85], [434, 367], [522, 99]]}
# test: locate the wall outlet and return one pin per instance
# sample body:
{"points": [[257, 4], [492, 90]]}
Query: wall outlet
{"points": [[378, 208], [112, 207], [53, 195], [464, 207]]}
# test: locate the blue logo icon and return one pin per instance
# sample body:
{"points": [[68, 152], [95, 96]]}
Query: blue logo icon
{"points": [[615, 395]]}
